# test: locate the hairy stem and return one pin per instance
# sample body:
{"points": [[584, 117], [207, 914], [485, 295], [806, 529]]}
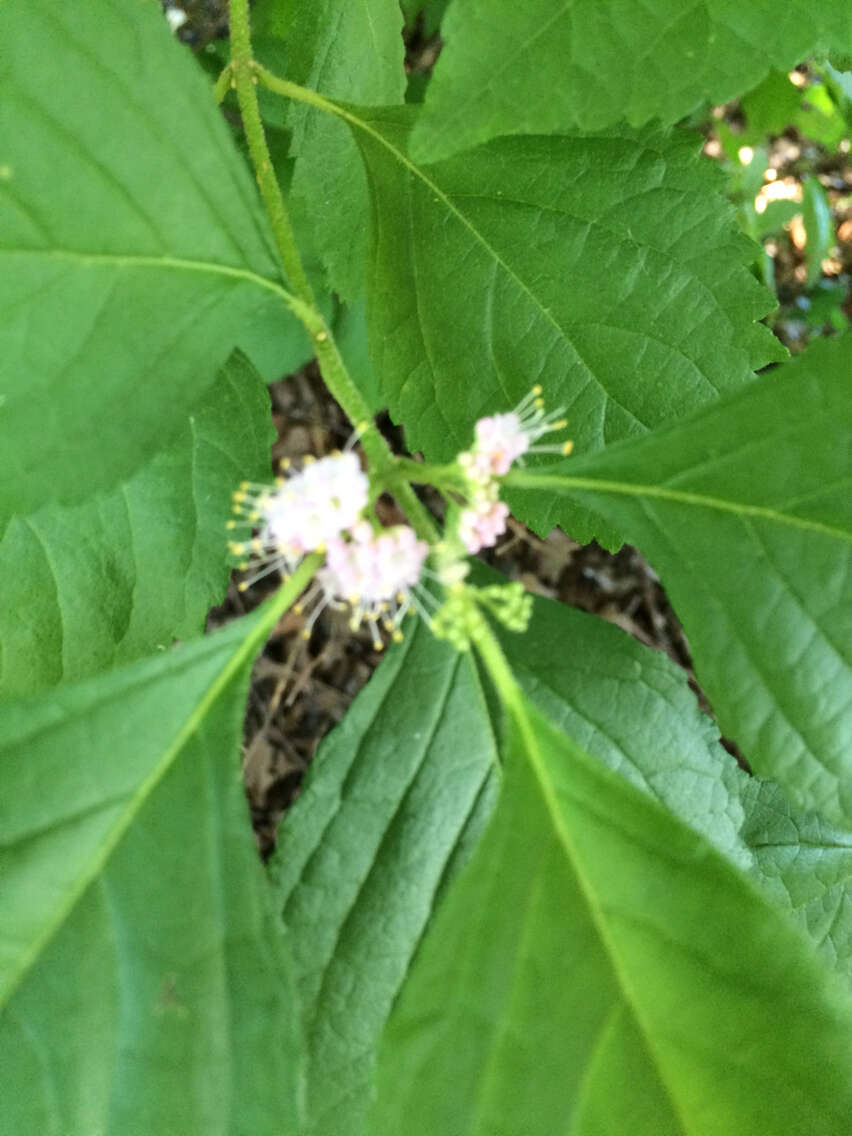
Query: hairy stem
{"points": [[242, 68], [335, 375]]}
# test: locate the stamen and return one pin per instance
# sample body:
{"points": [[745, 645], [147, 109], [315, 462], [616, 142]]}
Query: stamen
{"points": [[272, 566]]}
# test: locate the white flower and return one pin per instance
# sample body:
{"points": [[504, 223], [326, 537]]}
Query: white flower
{"points": [[299, 514], [317, 504]]}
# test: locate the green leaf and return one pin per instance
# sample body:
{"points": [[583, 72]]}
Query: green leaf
{"points": [[599, 967], [606, 268], [806, 865], [127, 276], [383, 820], [819, 228], [395, 797], [350, 334], [771, 106], [91, 586], [745, 512], [631, 708], [550, 65], [354, 52], [144, 984]]}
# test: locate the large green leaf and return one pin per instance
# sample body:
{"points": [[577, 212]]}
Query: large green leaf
{"points": [[394, 799], [354, 52], [377, 828], [93, 585], [132, 248], [547, 65], [745, 511], [144, 984], [632, 709], [605, 268], [599, 968]]}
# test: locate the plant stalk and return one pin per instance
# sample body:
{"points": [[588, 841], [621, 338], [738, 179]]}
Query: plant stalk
{"points": [[245, 71]]}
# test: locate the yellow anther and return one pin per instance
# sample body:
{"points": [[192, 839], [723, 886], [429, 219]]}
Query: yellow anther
{"points": [[285, 463], [245, 485], [378, 645], [397, 636], [238, 496], [298, 608], [560, 425], [537, 389], [567, 448], [539, 404], [384, 606], [254, 516], [236, 547], [354, 624], [257, 546], [321, 337], [242, 586], [354, 599], [306, 633], [308, 459], [334, 454], [279, 481], [388, 624], [230, 524], [400, 597]]}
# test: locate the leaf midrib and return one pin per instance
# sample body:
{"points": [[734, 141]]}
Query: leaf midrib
{"points": [[134, 260], [548, 792], [528, 480]]}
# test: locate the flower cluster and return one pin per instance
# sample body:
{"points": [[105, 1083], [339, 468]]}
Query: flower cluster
{"points": [[320, 509], [501, 440], [301, 513], [376, 572]]}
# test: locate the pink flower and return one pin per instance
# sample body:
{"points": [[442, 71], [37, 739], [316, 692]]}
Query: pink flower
{"points": [[482, 523], [501, 439], [373, 569]]}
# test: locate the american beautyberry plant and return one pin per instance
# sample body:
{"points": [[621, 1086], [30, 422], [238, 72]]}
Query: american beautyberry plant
{"points": [[524, 890]]}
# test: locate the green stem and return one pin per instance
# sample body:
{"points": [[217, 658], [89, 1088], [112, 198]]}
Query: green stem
{"points": [[245, 72], [223, 83], [448, 478], [300, 94], [242, 68]]}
